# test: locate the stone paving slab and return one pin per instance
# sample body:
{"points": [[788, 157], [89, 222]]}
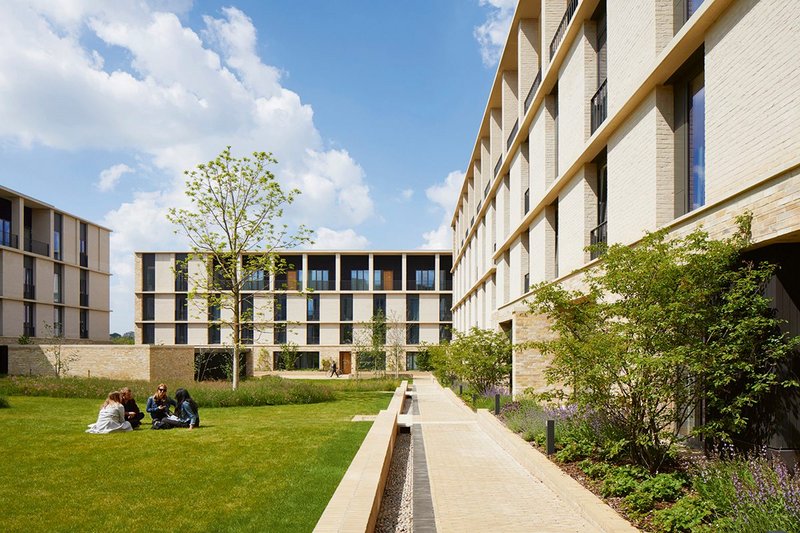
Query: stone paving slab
{"points": [[475, 484]]}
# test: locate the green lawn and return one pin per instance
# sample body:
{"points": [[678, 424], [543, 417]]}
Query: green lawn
{"points": [[246, 469]]}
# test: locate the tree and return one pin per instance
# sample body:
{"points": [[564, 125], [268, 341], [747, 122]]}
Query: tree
{"points": [[395, 340], [53, 347], [234, 228], [289, 355], [369, 345], [481, 357], [661, 327]]}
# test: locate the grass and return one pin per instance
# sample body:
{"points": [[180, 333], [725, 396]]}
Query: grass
{"points": [[269, 468]]}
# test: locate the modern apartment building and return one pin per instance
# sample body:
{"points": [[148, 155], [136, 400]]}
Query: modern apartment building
{"points": [[342, 291], [54, 273], [610, 118]]}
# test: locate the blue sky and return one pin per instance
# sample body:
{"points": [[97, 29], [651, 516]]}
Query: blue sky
{"points": [[371, 108]]}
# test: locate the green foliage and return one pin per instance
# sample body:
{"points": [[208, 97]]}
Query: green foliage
{"points": [[269, 390], [289, 355], [481, 357], [686, 515], [622, 480], [595, 470], [659, 488], [4, 403], [661, 326], [24, 339], [234, 226], [424, 358], [326, 365], [575, 450]]}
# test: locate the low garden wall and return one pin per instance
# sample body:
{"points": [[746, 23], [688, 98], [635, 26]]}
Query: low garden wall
{"points": [[355, 505], [113, 361]]}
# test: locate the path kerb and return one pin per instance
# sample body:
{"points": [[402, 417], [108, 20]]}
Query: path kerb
{"points": [[356, 502], [583, 500]]}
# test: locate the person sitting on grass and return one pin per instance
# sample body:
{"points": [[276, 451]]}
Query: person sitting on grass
{"points": [[132, 412], [159, 403], [111, 417], [186, 413]]}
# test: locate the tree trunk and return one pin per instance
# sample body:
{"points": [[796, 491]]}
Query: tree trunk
{"points": [[236, 339]]}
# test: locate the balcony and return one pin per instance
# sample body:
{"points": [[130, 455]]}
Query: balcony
{"points": [[445, 284], [420, 286], [37, 247], [511, 135], [562, 28], [29, 291], [527, 200], [9, 239], [322, 284], [536, 82], [355, 285], [385, 285], [599, 106], [598, 238], [84, 300], [498, 165]]}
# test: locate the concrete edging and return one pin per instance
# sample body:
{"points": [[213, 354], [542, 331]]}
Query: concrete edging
{"points": [[456, 399], [356, 502], [584, 501]]}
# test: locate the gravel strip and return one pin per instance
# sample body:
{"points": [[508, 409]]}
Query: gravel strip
{"points": [[396, 507]]}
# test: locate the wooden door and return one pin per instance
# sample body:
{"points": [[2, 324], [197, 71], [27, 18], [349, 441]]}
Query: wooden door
{"points": [[344, 362]]}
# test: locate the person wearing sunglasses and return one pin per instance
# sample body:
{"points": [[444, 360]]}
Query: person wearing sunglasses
{"points": [[159, 403]]}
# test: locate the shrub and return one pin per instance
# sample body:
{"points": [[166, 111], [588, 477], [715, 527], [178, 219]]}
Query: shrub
{"points": [[595, 470], [4, 403], [575, 450], [686, 515], [659, 488], [622, 480]]}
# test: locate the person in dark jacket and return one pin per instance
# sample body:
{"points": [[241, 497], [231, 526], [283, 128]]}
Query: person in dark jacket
{"points": [[159, 403], [186, 413], [132, 412]]}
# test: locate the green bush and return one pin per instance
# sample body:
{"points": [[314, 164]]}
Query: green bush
{"points": [[595, 470], [270, 390], [659, 488], [574, 451], [4, 403], [622, 480], [686, 515]]}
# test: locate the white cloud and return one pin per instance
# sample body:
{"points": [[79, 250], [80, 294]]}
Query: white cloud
{"points": [[406, 194], [328, 239], [492, 34], [169, 97], [444, 196], [110, 176]]}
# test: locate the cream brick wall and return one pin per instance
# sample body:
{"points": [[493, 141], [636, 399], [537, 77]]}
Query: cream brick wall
{"points": [[510, 89], [752, 80], [552, 11], [574, 93], [631, 41], [515, 189], [573, 230], [165, 279], [527, 57]]}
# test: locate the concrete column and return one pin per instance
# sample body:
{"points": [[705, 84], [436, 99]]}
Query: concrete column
{"points": [[405, 270], [510, 97], [338, 272], [305, 270], [496, 137], [528, 43], [436, 276], [371, 269]]}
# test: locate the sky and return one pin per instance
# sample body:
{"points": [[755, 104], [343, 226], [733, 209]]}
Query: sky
{"points": [[370, 107]]}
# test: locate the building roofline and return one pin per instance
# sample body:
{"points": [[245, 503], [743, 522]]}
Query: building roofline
{"points": [[42, 204]]}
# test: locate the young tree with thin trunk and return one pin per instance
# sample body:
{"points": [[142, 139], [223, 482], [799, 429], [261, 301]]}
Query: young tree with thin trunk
{"points": [[234, 226]]}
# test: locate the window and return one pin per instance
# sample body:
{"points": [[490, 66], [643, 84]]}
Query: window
{"points": [[682, 11], [181, 307], [58, 283], [246, 334], [181, 272], [346, 307], [555, 237], [412, 308], [6, 237], [255, 279], [148, 272], [312, 333], [29, 278], [279, 333], [58, 226], [425, 280], [445, 303], [318, 280], [213, 334], [359, 280], [445, 333], [346, 334], [84, 324], [148, 334], [181, 333], [58, 321], [279, 307], [379, 304], [598, 237], [83, 246], [412, 334], [84, 288], [246, 308], [690, 140], [29, 324], [213, 310], [312, 307], [148, 307], [411, 360]]}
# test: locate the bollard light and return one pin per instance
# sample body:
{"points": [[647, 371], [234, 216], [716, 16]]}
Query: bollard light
{"points": [[497, 403], [460, 389], [551, 437]]}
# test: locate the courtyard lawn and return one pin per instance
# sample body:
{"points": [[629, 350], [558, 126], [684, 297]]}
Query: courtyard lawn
{"points": [[268, 468]]}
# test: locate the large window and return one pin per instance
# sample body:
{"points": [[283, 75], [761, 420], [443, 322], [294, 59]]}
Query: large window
{"points": [[312, 333], [346, 334], [312, 307], [379, 304], [445, 303], [690, 136], [84, 288], [279, 307], [148, 334], [181, 307], [84, 323], [412, 334], [279, 333], [29, 324], [58, 283], [58, 321], [213, 311], [246, 333], [29, 278], [84, 246], [318, 280], [181, 333], [247, 310], [346, 307], [697, 142], [445, 333], [148, 307], [181, 272], [213, 334], [412, 307], [359, 280], [58, 226], [425, 280], [148, 272]]}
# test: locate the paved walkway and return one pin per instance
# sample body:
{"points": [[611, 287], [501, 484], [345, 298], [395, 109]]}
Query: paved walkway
{"points": [[474, 484]]}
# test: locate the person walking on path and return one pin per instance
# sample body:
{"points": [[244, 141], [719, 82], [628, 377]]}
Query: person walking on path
{"points": [[334, 370]]}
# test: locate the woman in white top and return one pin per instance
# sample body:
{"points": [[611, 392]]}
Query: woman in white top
{"points": [[111, 417]]}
